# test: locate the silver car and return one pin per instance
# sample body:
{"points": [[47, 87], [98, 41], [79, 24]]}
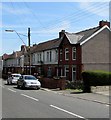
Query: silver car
{"points": [[28, 81], [12, 79]]}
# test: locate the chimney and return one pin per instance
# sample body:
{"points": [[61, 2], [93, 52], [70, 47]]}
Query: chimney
{"points": [[103, 23], [22, 47], [61, 34]]}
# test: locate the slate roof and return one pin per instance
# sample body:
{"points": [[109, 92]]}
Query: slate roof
{"points": [[79, 37], [73, 38], [87, 33], [51, 44]]}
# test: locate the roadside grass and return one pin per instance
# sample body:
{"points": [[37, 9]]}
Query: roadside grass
{"points": [[74, 90]]}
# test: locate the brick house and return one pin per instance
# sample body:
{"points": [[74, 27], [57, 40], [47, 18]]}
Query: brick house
{"points": [[14, 62], [85, 50], [71, 53], [45, 58]]}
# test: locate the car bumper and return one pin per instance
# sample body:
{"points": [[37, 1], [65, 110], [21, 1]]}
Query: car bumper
{"points": [[32, 86], [14, 81]]}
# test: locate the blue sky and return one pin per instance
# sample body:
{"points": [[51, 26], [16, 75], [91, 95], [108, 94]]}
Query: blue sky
{"points": [[46, 20]]}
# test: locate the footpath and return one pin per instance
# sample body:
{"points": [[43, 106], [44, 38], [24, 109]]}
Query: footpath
{"points": [[103, 97]]}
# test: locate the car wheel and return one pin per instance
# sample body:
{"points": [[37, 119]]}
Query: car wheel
{"points": [[37, 88], [23, 86], [18, 86]]}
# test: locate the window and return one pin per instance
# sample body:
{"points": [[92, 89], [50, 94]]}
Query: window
{"points": [[33, 58], [60, 54], [74, 53], [39, 57], [50, 56], [47, 56], [73, 73], [56, 55], [66, 54], [67, 72]]}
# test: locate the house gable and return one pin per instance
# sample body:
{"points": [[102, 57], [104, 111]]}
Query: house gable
{"points": [[93, 35]]}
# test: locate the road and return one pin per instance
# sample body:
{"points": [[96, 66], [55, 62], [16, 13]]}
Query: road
{"points": [[29, 103]]}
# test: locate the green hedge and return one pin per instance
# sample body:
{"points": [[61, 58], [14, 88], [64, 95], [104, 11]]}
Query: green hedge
{"points": [[96, 78]]}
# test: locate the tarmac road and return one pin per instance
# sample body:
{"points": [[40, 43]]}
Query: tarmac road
{"points": [[29, 103]]}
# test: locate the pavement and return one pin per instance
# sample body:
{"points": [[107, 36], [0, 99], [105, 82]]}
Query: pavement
{"points": [[102, 97]]}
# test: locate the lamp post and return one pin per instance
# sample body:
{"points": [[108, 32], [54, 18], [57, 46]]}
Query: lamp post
{"points": [[29, 55]]}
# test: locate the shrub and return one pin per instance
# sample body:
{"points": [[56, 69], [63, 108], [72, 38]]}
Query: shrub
{"points": [[78, 84], [95, 78]]}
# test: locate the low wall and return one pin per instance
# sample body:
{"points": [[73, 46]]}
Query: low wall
{"points": [[100, 88], [53, 83]]}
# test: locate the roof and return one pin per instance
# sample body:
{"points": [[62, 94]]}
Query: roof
{"points": [[13, 55], [51, 44], [83, 36], [87, 33], [73, 38]]}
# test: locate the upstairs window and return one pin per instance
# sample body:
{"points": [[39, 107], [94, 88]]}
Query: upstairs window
{"points": [[56, 55], [66, 54], [74, 53], [50, 56], [47, 56]]}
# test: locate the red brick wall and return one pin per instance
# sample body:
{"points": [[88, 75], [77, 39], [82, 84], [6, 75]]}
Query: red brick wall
{"points": [[66, 44]]}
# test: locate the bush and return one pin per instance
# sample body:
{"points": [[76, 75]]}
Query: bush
{"points": [[78, 84], [96, 78]]}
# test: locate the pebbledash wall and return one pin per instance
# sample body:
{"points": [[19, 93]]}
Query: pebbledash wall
{"points": [[68, 55], [95, 52]]}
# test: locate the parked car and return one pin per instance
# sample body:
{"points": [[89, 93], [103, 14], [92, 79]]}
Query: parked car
{"points": [[12, 79], [28, 81]]}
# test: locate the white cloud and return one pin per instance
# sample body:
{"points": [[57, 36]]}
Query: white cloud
{"points": [[97, 8]]}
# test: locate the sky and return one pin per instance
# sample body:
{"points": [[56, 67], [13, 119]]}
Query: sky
{"points": [[46, 20]]}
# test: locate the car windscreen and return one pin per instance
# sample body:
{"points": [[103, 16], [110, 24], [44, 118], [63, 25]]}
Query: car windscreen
{"points": [[30, 78], [16, 75]]}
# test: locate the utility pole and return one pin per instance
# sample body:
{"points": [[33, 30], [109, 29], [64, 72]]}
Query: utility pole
{"points": [[29, 54]]}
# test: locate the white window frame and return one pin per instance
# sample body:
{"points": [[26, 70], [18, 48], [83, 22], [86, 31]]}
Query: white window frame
{"points": [[56, 55], [73, 72], [66, 70], [73, 51], [66, 52], [48, 56]]}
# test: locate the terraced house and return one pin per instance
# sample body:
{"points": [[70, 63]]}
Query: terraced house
{"points": [[70, 53]]}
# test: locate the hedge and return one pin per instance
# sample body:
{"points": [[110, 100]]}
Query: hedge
{"points": [[96, 78]]}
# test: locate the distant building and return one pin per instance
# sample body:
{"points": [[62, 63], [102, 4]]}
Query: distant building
{"points": [[68, 55], [1, 66]]}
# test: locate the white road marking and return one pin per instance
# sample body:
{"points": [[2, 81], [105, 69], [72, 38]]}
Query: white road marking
{"points": [[11, 90], [107, 105], [30, 97], [67, 111]]}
